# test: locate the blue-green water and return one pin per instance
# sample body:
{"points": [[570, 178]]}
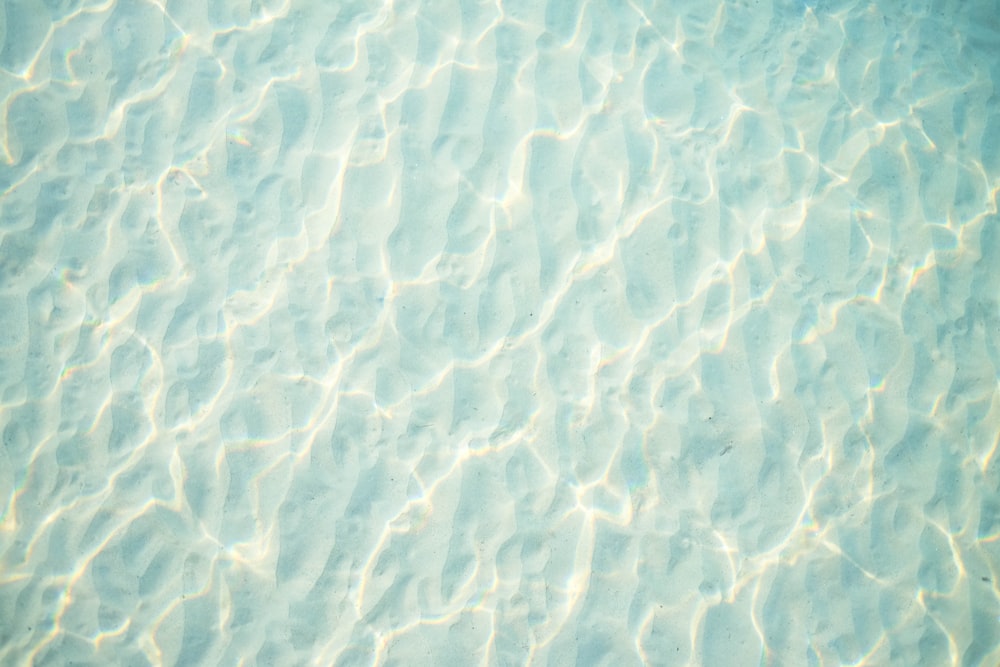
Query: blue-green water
{"points": [[499, 333]]}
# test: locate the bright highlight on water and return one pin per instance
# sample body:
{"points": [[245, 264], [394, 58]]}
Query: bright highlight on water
{"points": [[616, 332]]}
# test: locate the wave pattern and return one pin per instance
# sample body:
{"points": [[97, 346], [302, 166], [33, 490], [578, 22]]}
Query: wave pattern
{"points": [[508, 333]]}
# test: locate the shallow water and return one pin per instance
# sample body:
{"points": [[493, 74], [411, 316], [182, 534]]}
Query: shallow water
{"points": [[449, 333]]}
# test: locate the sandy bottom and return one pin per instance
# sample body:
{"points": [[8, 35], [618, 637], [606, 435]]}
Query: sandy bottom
{"points": [[499, 333]]}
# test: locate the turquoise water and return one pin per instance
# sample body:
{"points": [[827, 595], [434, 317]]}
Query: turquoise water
{"points": [[499, 333]]}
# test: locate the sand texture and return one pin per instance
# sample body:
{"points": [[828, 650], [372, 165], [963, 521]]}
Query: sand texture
{"points": [[611, 332]]}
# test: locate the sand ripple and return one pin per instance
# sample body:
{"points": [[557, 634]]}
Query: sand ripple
{"points": [[499, 333]]}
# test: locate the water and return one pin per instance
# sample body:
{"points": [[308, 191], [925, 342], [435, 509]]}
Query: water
{"points": [[449, 333]]}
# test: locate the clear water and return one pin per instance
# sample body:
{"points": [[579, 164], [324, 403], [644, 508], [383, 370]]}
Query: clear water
{"points": [[499, 333]]}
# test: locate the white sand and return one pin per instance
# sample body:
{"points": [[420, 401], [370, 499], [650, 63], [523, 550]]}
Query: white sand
{"points": [[512, 333]]}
